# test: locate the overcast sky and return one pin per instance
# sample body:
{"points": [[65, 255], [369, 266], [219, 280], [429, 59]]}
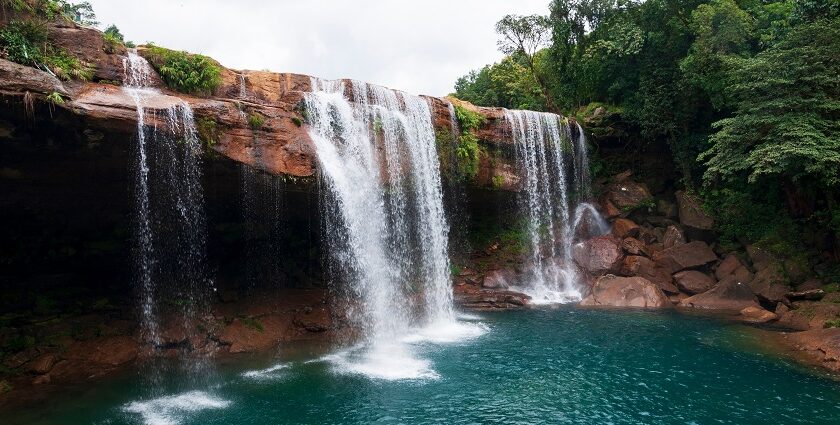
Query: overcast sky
{"points": [[419, 46]]}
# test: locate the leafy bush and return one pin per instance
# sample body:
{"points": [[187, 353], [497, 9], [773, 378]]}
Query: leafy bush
{"points": [[26, 43], [55, 98], [468, 120], [208, 131], [185, 72], [256, 121], [21, 42]]}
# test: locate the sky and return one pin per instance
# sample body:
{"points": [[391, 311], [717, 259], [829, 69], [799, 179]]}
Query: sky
{"points": [[418, 46]]}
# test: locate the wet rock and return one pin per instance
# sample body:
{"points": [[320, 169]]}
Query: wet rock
{"points": [[673, 237], [623, 228], [635, 265], [614, 291], [609, 209], [729, 295], [491, 300], [314, 320], [499, 279], [693, 282], [691, 255], [757, 315], [760, 257], [111, 351], [821, 345], [598, 255], [691, 212], [255, 333]]}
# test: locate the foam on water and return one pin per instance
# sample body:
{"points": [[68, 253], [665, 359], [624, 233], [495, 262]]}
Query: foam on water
{"points": [[446, 332], [390, 361], [174, 409], [265, 374]]}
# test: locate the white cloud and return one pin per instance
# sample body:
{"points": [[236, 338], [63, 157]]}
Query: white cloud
{"points": [[421, 47]]}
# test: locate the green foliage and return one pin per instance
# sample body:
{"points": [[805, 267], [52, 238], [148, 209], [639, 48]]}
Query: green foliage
{"points": [[468, 120], [55, 98], [185, 72], [256, 121], [113, 39], [81, 13], [22, 41], [498, 182], [26, 43], [786, 120], [833, 323], [208, 131], [297, 121]]}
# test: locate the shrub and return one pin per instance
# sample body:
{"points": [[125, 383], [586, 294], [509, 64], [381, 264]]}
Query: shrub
{"points": [[208, 131], [26, 43], [468, 120], [113, 39], [297, 121], [185, 72], [22, 41], [256, 121], [833, 323]]}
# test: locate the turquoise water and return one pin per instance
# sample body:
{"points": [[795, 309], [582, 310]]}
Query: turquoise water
{"points": [[563, 365]]}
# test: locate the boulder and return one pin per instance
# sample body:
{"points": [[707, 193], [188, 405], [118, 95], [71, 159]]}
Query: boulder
{"points": [[499, 279], [760, 257], [491, 300], [673, 237], [693, 282], [681, 257], [727, 267], [614, 291], [809, 295], [635, 265], [754, 314], [111, 351], [821, 345], [627, 195], [728, 295], [770, 284], [598, 255], [623, 228], [609, 209], [633, 246], [691, 212]]}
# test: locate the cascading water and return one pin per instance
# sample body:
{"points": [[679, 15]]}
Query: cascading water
{"points": [[543, 144], [170, 228], [380, 166]]}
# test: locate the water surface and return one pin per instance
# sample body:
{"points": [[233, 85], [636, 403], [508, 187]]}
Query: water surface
{"points": [[562, 365]]}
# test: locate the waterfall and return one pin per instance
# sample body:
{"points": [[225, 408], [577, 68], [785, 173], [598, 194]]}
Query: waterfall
{"points": [[386, 221], [170, 228], [243, 88], [543, 145]]}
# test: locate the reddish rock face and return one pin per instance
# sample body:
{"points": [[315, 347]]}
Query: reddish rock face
{"points": [[728, 295], [821, 345], [644, 267], [614, 291], [623, 228], [499, 279], [690, 255], [633, 246], [770, 284], [694, 282], [598, 255]]}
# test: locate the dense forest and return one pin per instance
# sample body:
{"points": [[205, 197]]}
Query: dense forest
{"points": [[744, 94]]}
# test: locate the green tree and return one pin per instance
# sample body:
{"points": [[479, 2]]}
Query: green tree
{"points": [[526, 36]]}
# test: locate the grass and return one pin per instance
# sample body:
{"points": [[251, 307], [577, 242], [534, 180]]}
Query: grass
{"points": [[26, 43]]}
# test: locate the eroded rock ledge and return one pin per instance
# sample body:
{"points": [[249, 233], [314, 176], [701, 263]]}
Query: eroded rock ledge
{"points": [[280, 146]]}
